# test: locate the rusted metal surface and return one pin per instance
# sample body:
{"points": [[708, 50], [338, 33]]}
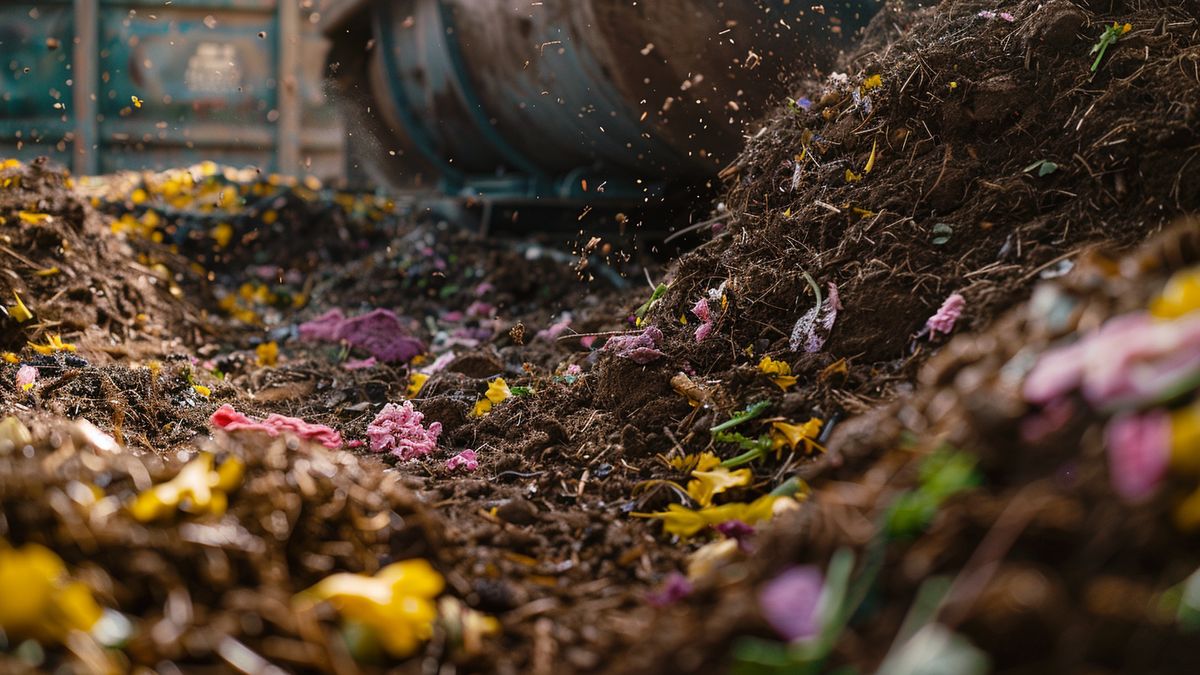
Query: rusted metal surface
{"points": [[538, 100], [239, 82]]}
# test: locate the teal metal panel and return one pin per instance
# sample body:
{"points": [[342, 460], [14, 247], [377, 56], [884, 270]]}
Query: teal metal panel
{"points": [[33, 79], [206, 74]]}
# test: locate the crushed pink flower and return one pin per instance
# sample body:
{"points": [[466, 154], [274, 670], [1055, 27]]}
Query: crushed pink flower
{"points": [[379, 332], [674, 588], [1139, 450], [1007, 17], [467, 460], [790, 601], [360, 364], [703, 313], [1050, 420], [739, 531], [574, 370], [231, 420], [947, 315], [813, 329], [1129, 361], [554, 330], [439, 364], [481, 310], [641, 348], [398, 430]]}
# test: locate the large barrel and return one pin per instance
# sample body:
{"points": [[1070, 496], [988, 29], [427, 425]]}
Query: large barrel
{"points": [[550, 99]]}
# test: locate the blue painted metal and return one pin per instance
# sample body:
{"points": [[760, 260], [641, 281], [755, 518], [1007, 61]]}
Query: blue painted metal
{"points": [[538, 101], [208, 75]]}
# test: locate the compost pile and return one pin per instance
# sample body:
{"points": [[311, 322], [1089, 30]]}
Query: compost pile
{"points": [[921, 399]]}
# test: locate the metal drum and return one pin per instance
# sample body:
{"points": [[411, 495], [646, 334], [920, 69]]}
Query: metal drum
{"points": [[564, 99]]}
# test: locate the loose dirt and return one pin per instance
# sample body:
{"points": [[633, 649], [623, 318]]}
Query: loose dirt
{"points": [[955, 151]]}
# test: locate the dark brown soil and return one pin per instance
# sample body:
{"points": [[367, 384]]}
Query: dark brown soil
{"points": [[540, 535]]}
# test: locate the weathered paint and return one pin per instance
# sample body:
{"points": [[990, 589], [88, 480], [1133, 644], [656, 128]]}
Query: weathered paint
{"points": [[239, 82], [535, 100]]}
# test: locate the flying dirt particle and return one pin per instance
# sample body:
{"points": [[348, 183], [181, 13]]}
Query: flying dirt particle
{"points": [[517, 334]]}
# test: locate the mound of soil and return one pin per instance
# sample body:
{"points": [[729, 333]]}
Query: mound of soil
{"points": [[299, 512], [77, 282], [970, 149]]}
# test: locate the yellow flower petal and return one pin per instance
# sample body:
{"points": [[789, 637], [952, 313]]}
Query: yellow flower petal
{"points": [[54, 343], [779, 371], [1179, 297], [708, 484], [32, 218], [682, 521], [416, 382], [497, 392], [795, 434], [197, 488], [267, 353], [396, 604], [19, 311]]}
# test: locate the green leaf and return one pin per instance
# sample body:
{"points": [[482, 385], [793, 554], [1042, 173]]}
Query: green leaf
{"points": [[942, 233], [1044, 167]]}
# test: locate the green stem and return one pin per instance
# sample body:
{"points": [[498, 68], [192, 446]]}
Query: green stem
{"points": [[749, 414]]}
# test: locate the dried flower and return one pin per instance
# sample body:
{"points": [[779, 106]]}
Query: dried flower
{"points": [[380, 332], [641, 348], [739, 532], [399, 430], [814, 328], [1131, 360], [702, 312], [396, 605]]}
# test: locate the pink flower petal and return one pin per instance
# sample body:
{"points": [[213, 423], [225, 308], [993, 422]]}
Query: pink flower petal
{"points": [[641, 348], [467, 460], [789, 602], [398, 430], [229, 419], [1139, 449], [947, 315], [813, 329]]}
